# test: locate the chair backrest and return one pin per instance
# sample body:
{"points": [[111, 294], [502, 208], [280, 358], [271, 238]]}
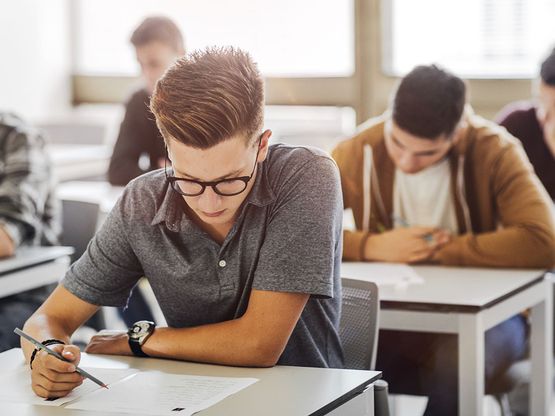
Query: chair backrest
{"points": [[79, 221], [358, 328]]}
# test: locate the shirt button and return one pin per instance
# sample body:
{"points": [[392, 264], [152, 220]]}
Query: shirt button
{"points": [[222, 263]]}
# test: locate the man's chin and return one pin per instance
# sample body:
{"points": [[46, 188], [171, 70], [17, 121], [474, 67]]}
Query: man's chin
{"points": [[218, 217]]}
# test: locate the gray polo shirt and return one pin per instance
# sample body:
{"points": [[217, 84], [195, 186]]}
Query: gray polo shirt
{"points": [[287, 238]]}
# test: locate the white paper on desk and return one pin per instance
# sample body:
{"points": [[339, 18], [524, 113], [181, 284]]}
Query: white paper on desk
{"points": [[382, 274], [15, 385], [158, 393]]}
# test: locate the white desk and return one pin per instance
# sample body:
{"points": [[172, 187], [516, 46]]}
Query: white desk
{"points": [[97, 192], [467, 302], [280, 391], [33, 267], [74, 161]]}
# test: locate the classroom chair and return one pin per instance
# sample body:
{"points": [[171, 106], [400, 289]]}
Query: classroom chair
{"points": [[358, 330], [79, 222]]}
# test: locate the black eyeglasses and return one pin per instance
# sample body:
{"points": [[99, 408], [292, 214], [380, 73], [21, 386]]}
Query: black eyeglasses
{"points": [[224, 187]]}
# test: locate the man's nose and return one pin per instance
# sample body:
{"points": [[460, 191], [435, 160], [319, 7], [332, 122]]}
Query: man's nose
{"points": [[209, 200]]}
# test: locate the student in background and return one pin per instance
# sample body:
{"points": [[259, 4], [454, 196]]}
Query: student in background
{"points": [[533, 123], [139, 147], [240, 240], [429, 181], [29, 214]]}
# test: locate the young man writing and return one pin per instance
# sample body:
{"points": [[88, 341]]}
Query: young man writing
{"points": [[431, 182], [240, 245]]}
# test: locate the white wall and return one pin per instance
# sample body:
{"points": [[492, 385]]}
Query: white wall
{"points": [[35, 58]]}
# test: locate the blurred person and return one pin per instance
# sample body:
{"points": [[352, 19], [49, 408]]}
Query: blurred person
{"points": [[533, 123], [431, 182], [29, 213], [139, 147]]}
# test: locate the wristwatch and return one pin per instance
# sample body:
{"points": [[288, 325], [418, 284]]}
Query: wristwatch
{"points": [[138, 334]]}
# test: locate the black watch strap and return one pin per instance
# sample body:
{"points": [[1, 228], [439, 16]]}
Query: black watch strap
{"points": [[136, 348]]}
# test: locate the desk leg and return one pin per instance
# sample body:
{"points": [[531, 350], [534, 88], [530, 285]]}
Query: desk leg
{"points": [[541, 347], [471, 364]]}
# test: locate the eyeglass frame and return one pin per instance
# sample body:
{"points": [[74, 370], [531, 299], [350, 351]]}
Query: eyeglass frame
{"points": [[213, 184]]}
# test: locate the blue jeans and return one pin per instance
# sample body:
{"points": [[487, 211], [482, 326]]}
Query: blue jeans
{"points": [[425, 364]]}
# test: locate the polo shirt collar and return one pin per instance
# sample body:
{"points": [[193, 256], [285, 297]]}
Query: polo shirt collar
{"points": [[261, 193]]}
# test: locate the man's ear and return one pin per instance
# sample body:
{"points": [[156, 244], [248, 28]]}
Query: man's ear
{"points": [[264, 144]]}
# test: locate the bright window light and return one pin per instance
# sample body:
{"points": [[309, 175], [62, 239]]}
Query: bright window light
{"points": [[292, 38], [473, 38]]}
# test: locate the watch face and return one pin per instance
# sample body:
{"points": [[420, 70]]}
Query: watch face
{"points": [[141, 330]]}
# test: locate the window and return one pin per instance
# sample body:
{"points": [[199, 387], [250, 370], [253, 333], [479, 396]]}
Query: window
{"points": [[309, 38], [474, 38]]}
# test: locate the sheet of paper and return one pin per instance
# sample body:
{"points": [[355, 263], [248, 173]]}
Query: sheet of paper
{"points": [[15, 385], [157, 393], [382, 274]]}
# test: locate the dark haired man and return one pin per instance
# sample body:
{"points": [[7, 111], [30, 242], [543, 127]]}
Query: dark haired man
{"points": [[431, 182], [534, 125], [238, 239]]}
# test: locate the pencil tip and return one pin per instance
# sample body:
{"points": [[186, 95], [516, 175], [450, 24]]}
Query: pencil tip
{"points": [[105, 386]]}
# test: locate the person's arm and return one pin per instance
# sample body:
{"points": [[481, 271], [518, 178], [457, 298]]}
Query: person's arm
{"points": [[527, 236], [24, 188], [104, 275], [257, 339], [405, 245], [57, 319], [130, 144]]}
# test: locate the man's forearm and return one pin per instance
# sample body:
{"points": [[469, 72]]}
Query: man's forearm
{"points": [[42, 327], [509, 247], [228, 343]]}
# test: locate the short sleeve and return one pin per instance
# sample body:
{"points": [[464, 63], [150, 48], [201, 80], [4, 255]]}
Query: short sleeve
{"points": [[108, 269], [302, 246]]}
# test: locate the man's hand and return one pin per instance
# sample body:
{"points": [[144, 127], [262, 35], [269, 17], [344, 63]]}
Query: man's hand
{"points": [[109, 342], [53, 378], [406, 245], [7, 248]]}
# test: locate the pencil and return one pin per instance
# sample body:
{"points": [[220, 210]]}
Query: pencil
{"points": [[41, 346]]}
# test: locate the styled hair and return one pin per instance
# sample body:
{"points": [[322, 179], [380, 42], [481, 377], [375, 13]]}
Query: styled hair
{"points": [[208, 97], [429, 102], [547, 71], [161, 29]]}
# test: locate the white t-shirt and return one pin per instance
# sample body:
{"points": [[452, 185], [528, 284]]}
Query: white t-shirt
{"points": [[425, 198]]}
